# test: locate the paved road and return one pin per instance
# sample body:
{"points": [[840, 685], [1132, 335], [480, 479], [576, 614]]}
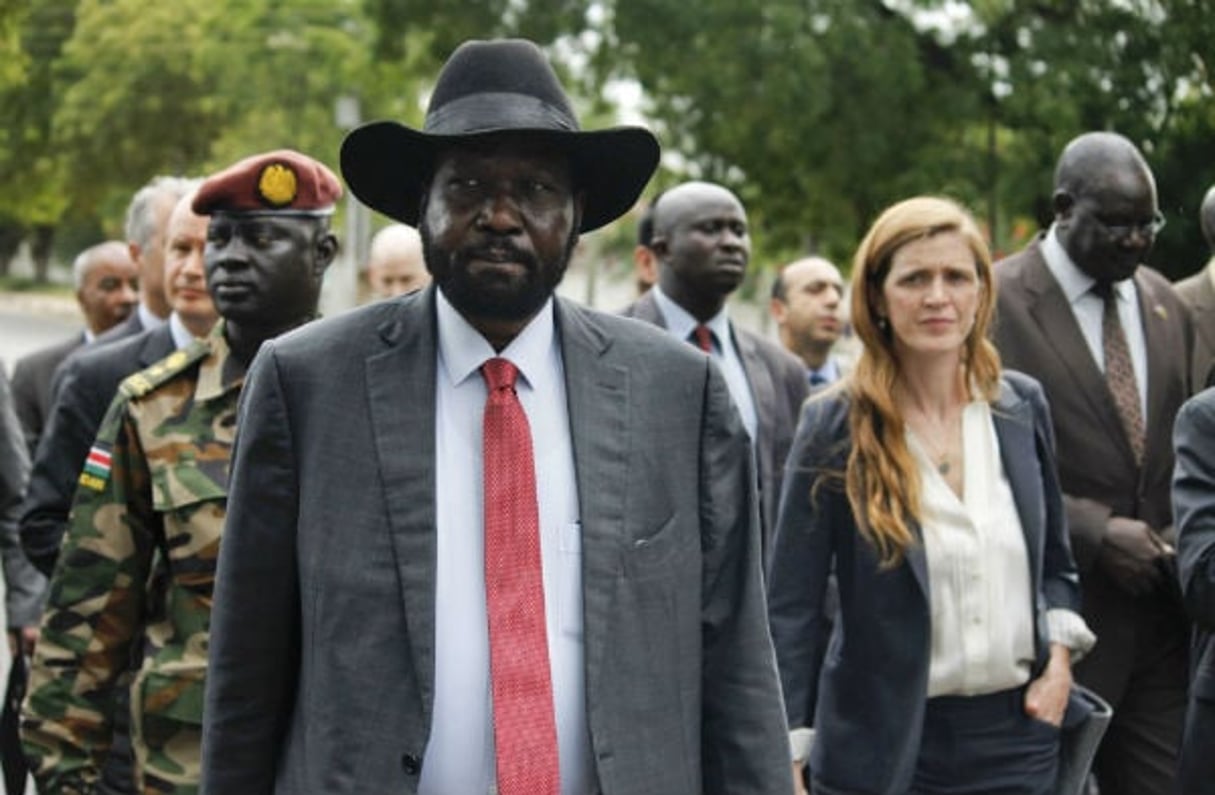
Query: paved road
{"points": [[27, 324]]}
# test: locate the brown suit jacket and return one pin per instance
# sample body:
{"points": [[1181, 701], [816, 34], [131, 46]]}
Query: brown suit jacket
{"points": [[1037, 333], [1198, 293]]}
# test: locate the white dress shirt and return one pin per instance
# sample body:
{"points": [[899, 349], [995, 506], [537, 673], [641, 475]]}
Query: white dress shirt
{"points": [[182, 336], [460, 755], [978, 572], [1088, 309], [681, 324]]}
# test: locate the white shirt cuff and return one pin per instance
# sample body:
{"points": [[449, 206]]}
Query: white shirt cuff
{"points": [[800, 742], [1068, 628]]}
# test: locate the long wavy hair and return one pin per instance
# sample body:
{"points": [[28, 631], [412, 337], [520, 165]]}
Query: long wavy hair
{"points": [[881, 480]]}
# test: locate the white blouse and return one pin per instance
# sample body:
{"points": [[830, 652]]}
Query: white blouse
{"points": [[978, 572]]}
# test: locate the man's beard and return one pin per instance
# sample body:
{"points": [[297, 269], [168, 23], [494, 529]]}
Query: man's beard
{"points": [[478, 296]]}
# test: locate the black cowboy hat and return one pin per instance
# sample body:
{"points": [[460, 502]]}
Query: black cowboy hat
{"points": [[489, 87]]}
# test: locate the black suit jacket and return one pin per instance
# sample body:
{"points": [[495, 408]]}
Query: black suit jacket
{"points": [[87, 382], [1036, 332], [31, 385], [865, 696], [778, 386], [1194, 507]]}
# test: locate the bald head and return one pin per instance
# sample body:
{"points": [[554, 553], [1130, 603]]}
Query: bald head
{"points": [[1106, 215], [703, 246], [395, 265], [1207, 214], [107, 284]]}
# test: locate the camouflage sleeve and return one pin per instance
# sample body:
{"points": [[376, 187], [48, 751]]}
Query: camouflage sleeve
{"points": [[94, 614]]}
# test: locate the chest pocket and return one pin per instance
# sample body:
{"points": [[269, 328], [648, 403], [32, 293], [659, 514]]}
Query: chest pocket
{"points": [[178, 487]]}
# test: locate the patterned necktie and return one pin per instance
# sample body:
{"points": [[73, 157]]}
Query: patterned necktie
{"points": [[1119, 372], [525, 731], [703, 337]]}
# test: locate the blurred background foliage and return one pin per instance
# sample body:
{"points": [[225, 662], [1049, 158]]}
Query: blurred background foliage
{"points": [[817, 112]]}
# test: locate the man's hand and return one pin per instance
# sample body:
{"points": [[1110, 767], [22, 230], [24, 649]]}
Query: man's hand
{"points": [[1131, 553], [1046, 696], [799, 781], [21, 640]]}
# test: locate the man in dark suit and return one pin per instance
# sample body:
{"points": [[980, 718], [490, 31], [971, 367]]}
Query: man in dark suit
{"points": [[808, 307], [1110, 342], [703, 246], [89, 380], [439, 580], [147, 217], [1198, 293], [1194, 507], [106, 282]]}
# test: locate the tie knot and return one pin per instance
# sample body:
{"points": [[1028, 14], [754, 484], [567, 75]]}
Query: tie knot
{"points": [[703, 336], [499, 373], [1104, 291]]}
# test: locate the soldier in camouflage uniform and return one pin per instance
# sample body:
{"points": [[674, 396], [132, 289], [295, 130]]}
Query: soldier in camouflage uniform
{"points": [[138, 565]]}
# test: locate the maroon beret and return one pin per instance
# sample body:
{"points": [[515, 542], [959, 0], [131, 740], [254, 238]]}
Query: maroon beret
{"points": [[282, 181]]}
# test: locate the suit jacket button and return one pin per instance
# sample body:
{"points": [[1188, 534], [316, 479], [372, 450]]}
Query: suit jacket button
{"points": [[411, 764]]}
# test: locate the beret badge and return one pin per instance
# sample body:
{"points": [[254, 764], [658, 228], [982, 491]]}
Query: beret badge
{"points": [[277, 185]]}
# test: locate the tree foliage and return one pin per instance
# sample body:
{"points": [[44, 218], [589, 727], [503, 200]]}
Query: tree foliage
{"points": [[818, 112]]}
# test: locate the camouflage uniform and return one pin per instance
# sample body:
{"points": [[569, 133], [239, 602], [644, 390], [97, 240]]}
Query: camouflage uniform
{"points": [[135, 578]]}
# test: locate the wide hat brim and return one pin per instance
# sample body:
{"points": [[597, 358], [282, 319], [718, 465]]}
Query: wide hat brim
{"points": [[388, 166]]}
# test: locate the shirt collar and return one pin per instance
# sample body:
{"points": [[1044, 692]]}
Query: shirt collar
{"points": [[182, 336], [462, 349], [1076, 284], [681, 323], [147, 318], [829, 372]]}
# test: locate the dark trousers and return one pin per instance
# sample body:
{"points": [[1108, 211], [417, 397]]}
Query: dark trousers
{"points": [[1141, 667], [985, 744], [11, 753]]}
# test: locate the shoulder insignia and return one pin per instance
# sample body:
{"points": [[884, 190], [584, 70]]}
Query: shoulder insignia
{"points": [[145, 381], [96, 468]]}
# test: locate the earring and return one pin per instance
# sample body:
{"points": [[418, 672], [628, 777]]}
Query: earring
{"points": [[883, 324]]}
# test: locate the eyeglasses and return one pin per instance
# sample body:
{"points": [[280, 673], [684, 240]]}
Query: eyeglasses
{"points": [[1147, 229]]}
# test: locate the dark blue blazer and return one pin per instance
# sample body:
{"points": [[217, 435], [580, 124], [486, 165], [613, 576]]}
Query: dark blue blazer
{"points": [[865, 694]]}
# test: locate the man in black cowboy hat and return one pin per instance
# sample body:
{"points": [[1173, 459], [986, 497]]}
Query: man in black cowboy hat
{"points": [[528, 560]]}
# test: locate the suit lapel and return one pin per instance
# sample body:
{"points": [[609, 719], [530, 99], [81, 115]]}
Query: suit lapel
{"points": [[1018, 453], [597, 393], [1062, 334], [156, 345], [401, 401], [1161, 366]]}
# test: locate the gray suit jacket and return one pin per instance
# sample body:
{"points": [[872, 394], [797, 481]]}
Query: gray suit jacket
{"points": [[1036, 332], [321, 675], [865, 695], [32, 378], [778, 385], [1194, 506], [1197, 293], [22, 583]]}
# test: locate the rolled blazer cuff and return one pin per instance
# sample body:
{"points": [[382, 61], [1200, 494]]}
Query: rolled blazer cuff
{"points": [[1068, 628], [800, 742]]}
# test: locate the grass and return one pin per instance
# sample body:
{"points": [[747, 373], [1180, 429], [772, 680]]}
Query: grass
{"points": [[24, 284]]}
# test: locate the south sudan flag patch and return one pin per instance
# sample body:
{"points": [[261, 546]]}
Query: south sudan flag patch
{"points": [[96, 469]]}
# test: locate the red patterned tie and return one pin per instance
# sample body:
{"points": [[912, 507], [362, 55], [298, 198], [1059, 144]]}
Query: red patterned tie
{"points": [[525, 731], [704, 338], [1119, 372]]}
